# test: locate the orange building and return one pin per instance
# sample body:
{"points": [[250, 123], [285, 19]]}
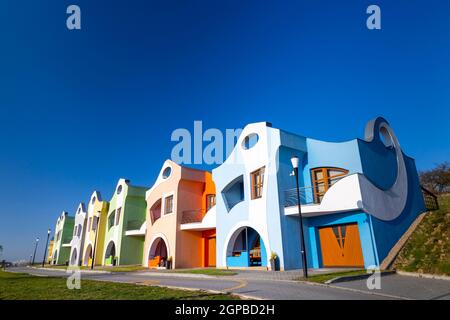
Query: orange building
{"points": [[181, 220]]}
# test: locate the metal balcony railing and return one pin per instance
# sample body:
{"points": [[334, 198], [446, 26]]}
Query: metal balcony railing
{"points": [[306, 196], [134, 224], [430, 199], [192, 216], [306, 193]]}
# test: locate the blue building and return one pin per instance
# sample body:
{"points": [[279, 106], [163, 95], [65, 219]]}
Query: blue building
{"points": [[357, 198]]}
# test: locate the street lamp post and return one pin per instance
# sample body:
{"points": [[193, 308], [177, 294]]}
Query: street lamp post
{"points": [[295, 162], [45, 248], [35, 248], [95, 240]]}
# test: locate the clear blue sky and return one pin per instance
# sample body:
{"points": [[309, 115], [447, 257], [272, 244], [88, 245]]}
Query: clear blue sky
{"points": [[79, 110]]}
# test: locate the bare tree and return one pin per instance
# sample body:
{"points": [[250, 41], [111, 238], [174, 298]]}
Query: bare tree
{"points": [[438, 179]]}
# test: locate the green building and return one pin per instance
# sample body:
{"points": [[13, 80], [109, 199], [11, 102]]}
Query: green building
{"points": [[63, 236], [125, 225]]}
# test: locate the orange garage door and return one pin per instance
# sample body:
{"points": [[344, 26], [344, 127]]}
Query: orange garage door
{"points": [[341, 246]]}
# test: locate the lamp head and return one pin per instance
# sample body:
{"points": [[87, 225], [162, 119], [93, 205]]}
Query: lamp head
{"points": [[295, 161]]}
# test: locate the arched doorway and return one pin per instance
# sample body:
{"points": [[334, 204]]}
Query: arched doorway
{"points": [[110, 254], [157, 256], [88, 256], [246, 249], [73, 258]]}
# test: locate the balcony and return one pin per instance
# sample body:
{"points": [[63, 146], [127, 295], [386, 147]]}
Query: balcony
{"points": [[135, 228], [344, 194], [134, 224], [198, 220], [192, 216]]}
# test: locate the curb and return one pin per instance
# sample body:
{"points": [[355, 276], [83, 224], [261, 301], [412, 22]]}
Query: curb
{"points": [[177, 275], [423, 275], [356, 277]]}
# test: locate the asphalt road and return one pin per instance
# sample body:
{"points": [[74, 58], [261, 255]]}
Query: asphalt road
{"points": [[392, 286]]}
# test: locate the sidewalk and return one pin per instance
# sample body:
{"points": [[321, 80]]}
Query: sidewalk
{"points": [[245, 274]]}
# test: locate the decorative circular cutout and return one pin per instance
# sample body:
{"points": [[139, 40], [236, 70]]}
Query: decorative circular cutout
{"points": [[93, 200], [119, 189], [166, 173], [386, 137], [250, 141]]}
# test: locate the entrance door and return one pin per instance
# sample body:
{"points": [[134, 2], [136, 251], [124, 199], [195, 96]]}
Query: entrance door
{"points": [[341, 246], [212, 252]]}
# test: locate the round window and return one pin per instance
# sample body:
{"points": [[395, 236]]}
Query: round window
{"points": [[250, 141], [119, 189], [166, 173], [93, 200]]}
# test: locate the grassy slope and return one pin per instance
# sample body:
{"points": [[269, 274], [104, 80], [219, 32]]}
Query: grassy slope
{"points": [[428, 249], [21, 286]]}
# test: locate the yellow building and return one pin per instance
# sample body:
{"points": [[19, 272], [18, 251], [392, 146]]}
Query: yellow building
{"points": [[95, 230], [49, 251]]}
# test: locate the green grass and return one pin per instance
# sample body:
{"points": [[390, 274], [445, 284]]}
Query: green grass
{"points": [[428, 248], [210, 272], [20, 286], [322, 278]]}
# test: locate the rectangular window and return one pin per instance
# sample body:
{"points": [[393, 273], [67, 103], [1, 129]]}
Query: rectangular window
{"points": [[168, 205], [89, 224], [257, 181], [119, 210], [94, 223], [210, 201], [111, 219]]}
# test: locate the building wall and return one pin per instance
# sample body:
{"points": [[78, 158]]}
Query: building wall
{"points": [[96, 208], [50, 251], [189, 188], [131, 200], [77, 242], [64, 225], [133, 214], [263, 214], [387, 233]]}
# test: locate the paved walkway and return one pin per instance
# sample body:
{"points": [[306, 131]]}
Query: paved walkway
{"points": [[406, 287], [265, 285]]}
